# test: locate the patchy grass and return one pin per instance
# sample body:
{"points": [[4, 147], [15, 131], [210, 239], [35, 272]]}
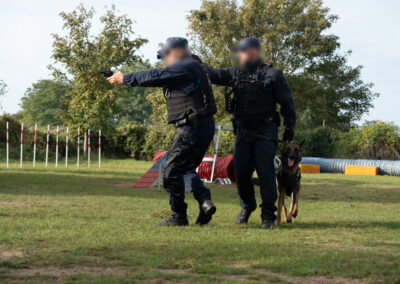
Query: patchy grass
{"points": [[89, 225]]}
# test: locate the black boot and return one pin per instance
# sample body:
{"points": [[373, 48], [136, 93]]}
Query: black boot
{"points": [[172, 221], [244, 215], [207, 209], [266, 224]]}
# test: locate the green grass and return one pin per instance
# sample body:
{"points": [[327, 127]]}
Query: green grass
{"points": [[89, 225]]}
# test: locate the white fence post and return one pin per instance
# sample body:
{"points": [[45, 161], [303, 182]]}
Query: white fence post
{"points": [[88, 139], [22, 145], [99, 148], [66, 147], [7, 149], [57, 146], [34, 146], [78, 147], [47, 145]]}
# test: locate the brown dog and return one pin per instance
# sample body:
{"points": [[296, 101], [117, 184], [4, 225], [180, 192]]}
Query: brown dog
{"points": [[289, 177]]}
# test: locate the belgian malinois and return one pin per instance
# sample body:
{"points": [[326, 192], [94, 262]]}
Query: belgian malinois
{"points": [[289, 177]]}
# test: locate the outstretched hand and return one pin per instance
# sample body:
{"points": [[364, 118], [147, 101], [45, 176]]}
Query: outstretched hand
{"points": [[116, 78]]}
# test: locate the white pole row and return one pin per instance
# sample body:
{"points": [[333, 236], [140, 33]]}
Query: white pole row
{"points": [[48, 144]]}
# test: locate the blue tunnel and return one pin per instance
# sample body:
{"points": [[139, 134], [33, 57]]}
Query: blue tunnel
{"points": [[385, 167]]}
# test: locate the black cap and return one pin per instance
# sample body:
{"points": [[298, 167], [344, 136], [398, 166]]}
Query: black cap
{"points": [[247, 42], [172, 42]]}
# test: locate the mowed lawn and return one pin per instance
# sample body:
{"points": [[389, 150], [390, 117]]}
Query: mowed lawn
{"points": [[90, 225]]}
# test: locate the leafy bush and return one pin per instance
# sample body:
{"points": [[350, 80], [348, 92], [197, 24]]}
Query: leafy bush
{"points": [[319, 142], [375, 140]]}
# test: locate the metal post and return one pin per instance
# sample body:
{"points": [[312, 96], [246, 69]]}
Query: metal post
{"points": [[7, 148], [22, 145], [47, 145], [66, 147], [88, 147], [99, 148], [78, 147], [34, 146], [219, 127], [57, 146]]}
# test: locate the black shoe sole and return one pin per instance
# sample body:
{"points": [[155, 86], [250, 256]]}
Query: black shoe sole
{"points": [[206, 218]]}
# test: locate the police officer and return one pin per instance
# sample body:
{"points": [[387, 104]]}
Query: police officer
{"points": [[190, 106], [253, 90]]}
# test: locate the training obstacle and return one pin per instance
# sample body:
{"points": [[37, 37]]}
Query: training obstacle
{"points": [[152, 176], [35, 145], [361, 171], [310, 169]]}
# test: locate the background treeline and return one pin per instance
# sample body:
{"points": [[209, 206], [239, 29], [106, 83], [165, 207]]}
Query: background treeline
{"points": [[374, 140], [329, 94]]}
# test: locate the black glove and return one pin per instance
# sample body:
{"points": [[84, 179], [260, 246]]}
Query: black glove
{"points": [[288, 135]]}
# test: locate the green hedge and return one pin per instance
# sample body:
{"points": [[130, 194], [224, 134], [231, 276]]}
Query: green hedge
{"points": [[375, 140]]}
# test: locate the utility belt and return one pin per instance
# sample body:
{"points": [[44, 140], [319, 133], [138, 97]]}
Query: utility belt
{"points": [[194, 120], [249, 126]]}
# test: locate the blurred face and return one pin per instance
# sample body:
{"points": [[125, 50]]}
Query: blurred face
{"points": [[248, 55], [174, 55]]}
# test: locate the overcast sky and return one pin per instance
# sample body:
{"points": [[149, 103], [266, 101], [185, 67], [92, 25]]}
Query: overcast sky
{"points": [[369, 28]]}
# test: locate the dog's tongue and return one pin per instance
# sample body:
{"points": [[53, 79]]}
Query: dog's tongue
{"points": [[290, 162]]}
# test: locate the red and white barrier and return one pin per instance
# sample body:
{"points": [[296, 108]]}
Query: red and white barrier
{"points": [[7, 148], [78, 145], [66, 147], [47, 145], [99, 148], [88, 148], [22, 145], [34, 146], [57, 146]]}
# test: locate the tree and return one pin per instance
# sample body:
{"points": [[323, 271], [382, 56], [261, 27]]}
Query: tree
{"points": [[3, 88], [43, 102], [295, 37], [91, 100], [132, 103]]}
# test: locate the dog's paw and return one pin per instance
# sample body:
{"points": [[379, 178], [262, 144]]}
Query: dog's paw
{"points": [[289, 220], [295, 214]]}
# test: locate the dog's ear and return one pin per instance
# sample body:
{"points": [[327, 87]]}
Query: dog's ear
{"points": [[302, 143]]}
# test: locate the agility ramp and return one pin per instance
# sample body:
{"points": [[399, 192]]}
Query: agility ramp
{"points": [[211, 168]]}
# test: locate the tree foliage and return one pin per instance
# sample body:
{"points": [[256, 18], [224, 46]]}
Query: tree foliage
{"points": [[43, 102], [132, 103], [295, 36], [80, 56]]}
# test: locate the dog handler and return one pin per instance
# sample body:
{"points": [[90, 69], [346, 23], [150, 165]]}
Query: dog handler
{"points": [[190, 106], [256, 88]]}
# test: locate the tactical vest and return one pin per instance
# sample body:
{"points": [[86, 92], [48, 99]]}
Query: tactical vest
{"points": [[253, 97], [199, 102]]}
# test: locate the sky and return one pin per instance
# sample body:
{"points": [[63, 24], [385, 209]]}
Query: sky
{"points": [[369, 28]]}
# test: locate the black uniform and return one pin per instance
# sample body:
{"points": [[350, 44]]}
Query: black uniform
{"points": [[191, 106], [257, 89]]}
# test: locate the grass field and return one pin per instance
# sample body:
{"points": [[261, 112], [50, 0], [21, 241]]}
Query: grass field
{"points": [[89, 225]]}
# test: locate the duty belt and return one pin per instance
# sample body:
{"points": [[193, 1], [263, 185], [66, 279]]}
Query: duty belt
{"points": [[246, 128], [194, 120]]}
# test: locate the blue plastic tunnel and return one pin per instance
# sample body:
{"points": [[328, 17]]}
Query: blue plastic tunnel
{"points": [[385, 167]]}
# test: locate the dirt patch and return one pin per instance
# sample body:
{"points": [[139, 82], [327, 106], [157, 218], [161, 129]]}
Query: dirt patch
{"points": [[258, 275], [59, 271], [121, 184], [6, 255], [13, 203], [312, 279]]}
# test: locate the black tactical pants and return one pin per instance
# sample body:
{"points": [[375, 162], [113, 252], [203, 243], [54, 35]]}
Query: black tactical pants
{"points": [[184, 156], [256, 153]]}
